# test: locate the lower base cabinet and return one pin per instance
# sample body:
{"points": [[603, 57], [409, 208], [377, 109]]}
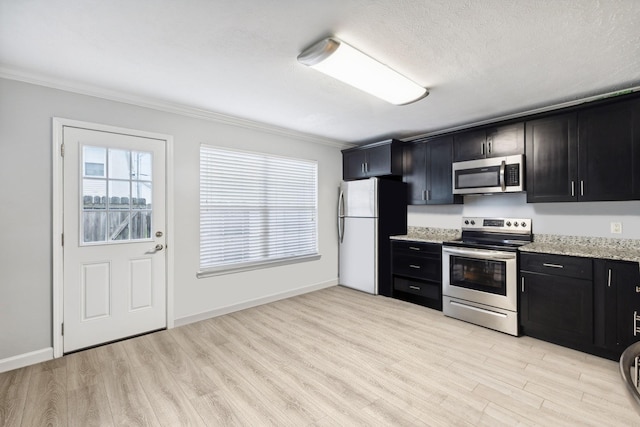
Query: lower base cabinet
{"points": [[617, 305], [556, 308], [416, 270], [591, 305]]}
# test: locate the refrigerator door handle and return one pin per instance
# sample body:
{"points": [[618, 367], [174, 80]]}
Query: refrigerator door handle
{"points": [[341, 216]]}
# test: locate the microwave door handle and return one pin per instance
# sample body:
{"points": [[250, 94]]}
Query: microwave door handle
{"points": [[503, 183]]}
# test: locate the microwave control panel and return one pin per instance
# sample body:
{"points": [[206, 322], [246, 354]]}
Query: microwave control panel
{"points": [[512, 175]]}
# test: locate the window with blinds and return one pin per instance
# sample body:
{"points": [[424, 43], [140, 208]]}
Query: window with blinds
{"points": [[255, 209]]}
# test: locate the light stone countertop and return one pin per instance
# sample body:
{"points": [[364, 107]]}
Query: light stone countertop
{"points": [[429, 234], [591, 247]]}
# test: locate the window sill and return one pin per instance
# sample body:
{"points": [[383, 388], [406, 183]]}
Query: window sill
{"points": [[230, 269]]}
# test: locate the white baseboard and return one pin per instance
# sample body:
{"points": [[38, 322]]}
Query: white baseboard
{"points": [[26, 359], [252, 303]]}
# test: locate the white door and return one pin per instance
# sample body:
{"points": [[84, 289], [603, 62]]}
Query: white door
{"points": [[114, 277]]}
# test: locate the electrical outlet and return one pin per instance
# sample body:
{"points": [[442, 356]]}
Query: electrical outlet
{"points": [[616, 227]]}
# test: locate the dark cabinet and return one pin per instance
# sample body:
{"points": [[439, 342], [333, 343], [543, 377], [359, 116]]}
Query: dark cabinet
{"points": [[495, 141], [556, 298], [589, 155], [379, 159], [552, 159], [616, 305], [416, 270], [609, 151], [415, 172], [427, 172]]}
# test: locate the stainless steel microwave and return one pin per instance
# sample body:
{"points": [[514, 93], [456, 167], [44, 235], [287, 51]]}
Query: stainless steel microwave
{"points": [[492, 175]]}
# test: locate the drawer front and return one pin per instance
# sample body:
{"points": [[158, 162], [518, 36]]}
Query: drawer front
{"points": [[415, 248], [421, 267], [427, 290], [557, 265]]}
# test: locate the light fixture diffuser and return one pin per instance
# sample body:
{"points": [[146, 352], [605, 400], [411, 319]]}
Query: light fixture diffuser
{"points": [[347, 64]]}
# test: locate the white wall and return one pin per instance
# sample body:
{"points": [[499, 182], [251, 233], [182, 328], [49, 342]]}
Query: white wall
{"points": [[26, 111], [570, 219]]}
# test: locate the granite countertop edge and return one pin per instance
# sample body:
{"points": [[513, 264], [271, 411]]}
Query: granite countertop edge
{"points": [[587, 247], [428, 235], [410, 238]]}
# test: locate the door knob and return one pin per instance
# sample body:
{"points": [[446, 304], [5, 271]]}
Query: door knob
{"points": [[158, 247]]}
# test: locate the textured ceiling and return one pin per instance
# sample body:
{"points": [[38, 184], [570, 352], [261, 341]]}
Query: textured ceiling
{"points": [[479, 58]]}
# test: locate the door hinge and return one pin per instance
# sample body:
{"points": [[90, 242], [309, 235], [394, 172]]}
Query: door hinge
{"points": [[62, 150], [62, 329]]}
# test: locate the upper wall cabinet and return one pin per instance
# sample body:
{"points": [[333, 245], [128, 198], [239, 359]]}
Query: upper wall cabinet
{"points": [[427, 172], [552, 159], [609, 151], [489, 142], [589, 155], [379, 159]]}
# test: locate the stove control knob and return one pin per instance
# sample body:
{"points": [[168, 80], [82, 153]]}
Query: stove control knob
{"points": [[516, 224], [466, 222], [508, 223], [524, 224], [473, 222]]}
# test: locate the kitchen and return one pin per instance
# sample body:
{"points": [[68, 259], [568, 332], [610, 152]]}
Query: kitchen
{"points": [[30, 99]]}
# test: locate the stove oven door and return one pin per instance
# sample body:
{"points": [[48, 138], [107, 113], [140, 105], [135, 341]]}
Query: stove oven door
{"points": [[482, 276]]}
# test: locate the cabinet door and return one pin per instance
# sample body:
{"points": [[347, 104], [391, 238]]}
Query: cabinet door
{"points": [[378, 160], [609, 152], [626, 280], [469, 145], [552, 159], [415, 172], [555, 308], [353, 165], [439, 173], [605, 305], [505, 140]]}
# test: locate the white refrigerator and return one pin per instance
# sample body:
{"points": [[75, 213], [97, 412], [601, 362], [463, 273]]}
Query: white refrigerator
{"points": [[369, 211]]}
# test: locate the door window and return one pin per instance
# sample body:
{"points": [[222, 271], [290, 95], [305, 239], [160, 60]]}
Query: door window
{"points": [[479, 274], [116, 195]]}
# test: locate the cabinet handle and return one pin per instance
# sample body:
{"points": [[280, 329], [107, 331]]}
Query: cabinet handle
{"points": [[362, 167], [635, 323], [366, 167], [428, 194], [482, 148], [522, 286], [573, 188], [489, 146], [416, 288], [581, 187], [424, 194], [414, 248], [414, 266], [609, 279], [553, 265]]}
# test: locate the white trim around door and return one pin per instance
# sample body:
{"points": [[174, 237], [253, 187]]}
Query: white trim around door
{"points": [[58, 216]]}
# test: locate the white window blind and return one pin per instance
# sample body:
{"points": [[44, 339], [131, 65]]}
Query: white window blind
{"points": [[255, 209]]}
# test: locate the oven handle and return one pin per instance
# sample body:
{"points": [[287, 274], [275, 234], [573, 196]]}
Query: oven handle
{"points": [[475, 253]]}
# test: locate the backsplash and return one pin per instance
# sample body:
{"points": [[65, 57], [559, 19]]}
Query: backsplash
{"points": [[588, 219]]}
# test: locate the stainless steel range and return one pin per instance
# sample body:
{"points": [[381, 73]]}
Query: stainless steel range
{"points": [[480, 272]]}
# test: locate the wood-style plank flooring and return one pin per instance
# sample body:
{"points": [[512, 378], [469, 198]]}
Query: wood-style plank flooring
{"points": [[329, 358]]}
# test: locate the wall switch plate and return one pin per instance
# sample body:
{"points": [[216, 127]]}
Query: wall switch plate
{"points": [[616, 227]]}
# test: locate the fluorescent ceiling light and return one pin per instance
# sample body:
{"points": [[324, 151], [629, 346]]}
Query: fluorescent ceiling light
{"points": [[347, 64]]}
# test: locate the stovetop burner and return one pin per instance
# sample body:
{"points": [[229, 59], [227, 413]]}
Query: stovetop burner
{"points": [[494, 233]]}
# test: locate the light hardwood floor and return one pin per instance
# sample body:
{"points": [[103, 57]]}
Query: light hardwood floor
{"points": [[328, 358]]}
